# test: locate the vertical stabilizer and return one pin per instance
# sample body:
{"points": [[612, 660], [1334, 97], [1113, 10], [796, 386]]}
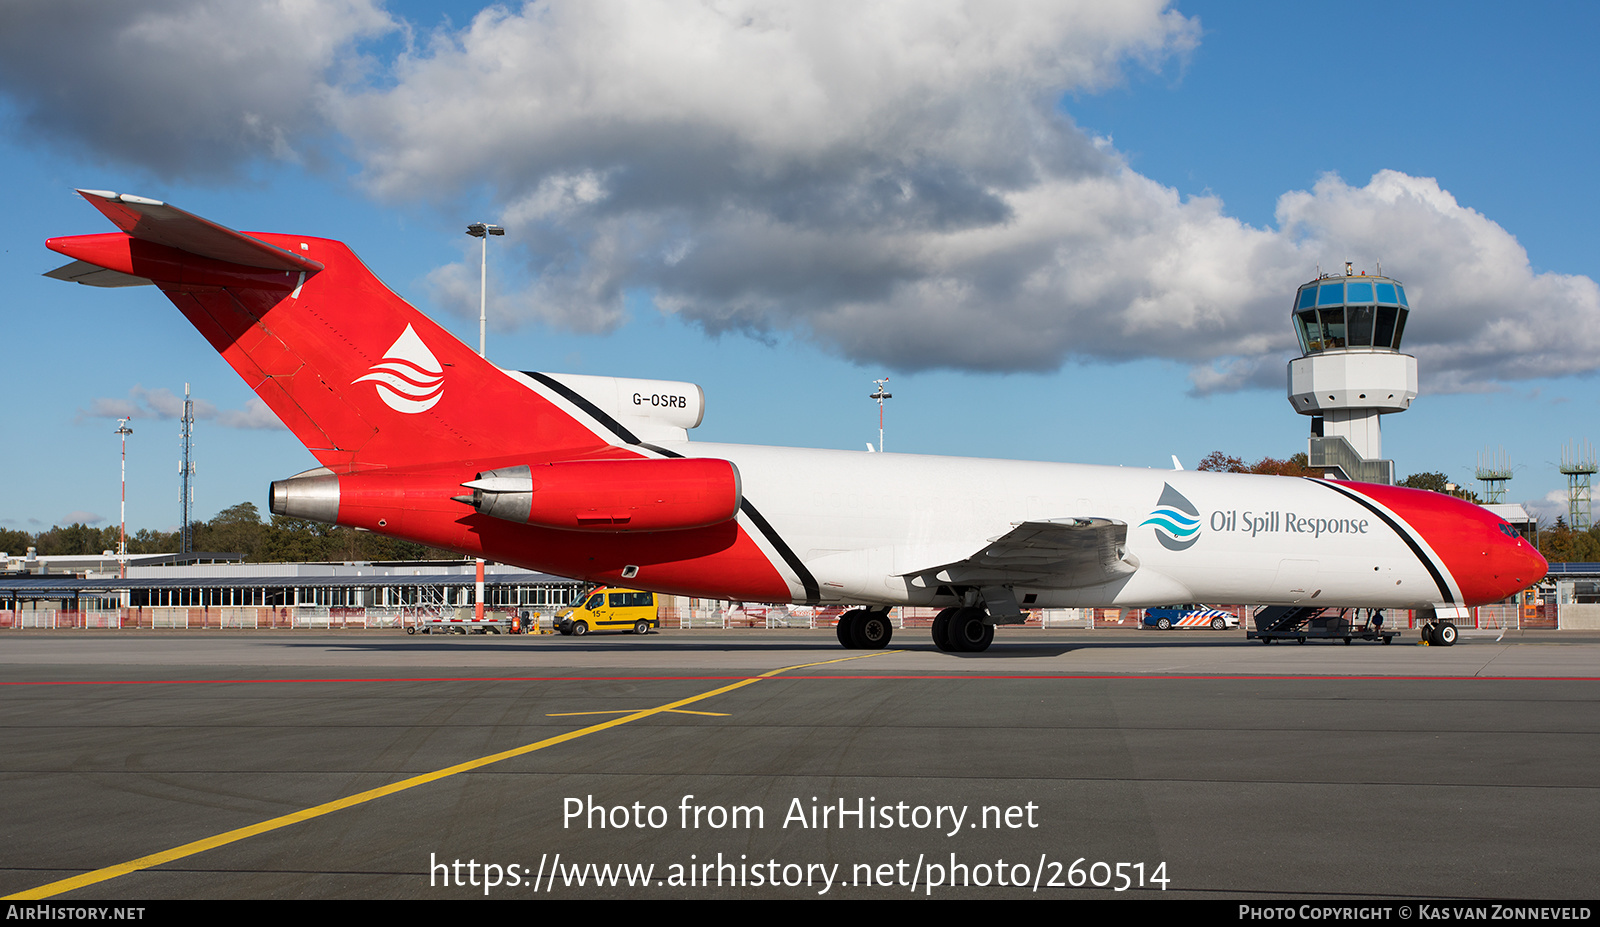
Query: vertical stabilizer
{"points": [[361, 377]]}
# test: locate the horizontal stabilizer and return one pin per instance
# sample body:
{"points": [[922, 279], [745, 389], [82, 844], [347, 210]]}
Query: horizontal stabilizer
{"points": [[94, 275], [155, 221]]}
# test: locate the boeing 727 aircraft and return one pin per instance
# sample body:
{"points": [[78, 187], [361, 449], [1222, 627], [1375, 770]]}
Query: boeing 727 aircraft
{"points": [[595, 477]]}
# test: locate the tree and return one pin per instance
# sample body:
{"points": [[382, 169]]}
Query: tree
{"points": [[76, 539], [1434, 481], [1218, 462], [1294, 465], [1560, 543], [237, 528], [15, 543]]}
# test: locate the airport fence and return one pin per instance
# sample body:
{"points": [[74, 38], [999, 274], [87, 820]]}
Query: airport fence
{"points": [[678, 612]]}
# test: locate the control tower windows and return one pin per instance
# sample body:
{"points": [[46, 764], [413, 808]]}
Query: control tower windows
{"points": [[1332, 327], [1305, 325], [1355, 312], [1360, 326]]}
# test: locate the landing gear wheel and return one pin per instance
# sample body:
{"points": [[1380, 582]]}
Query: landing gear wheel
{"points": [[1163, 624], [581, 628], [968, 632], [941, 630], [1445, 634], [872, 631], [846, 630], [641, 627], [1429, 632]]}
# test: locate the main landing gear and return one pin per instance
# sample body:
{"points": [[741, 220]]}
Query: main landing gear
{"points": [[865, 629], [962, 629]]}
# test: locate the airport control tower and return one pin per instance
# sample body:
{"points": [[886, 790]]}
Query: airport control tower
{"points": [[1351, 370]]}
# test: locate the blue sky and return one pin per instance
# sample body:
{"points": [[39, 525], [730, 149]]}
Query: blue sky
{"points": [[1063, 234]]}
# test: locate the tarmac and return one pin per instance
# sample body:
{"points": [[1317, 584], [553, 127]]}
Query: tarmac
{"points": [[774, 764]]}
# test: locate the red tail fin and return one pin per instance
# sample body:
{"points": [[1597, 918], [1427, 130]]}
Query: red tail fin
{"points": [[362, 378]]}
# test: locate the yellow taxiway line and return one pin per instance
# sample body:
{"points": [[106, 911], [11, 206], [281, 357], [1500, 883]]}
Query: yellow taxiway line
{"points": [[233, 836]]}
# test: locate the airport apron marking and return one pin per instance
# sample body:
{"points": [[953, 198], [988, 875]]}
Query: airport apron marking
{"points": [[233, 836]]}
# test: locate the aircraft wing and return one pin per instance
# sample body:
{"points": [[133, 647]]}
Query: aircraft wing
{"points": [[1057, 552]]}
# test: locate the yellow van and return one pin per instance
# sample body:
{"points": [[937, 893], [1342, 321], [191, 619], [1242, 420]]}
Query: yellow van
{"points": [[609, 609]]}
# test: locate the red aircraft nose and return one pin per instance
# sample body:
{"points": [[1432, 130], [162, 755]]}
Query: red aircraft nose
{"points": [[1485, 556], [1506, 563], [1527, 566]]}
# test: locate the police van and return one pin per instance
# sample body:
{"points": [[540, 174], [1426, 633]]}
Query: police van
{"points": [[610, 609]]}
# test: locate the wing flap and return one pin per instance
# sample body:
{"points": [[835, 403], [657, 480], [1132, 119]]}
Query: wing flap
{"points": [[1057, 552]]}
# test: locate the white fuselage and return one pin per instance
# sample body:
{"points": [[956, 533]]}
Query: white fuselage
{"points": [[866, 524]]}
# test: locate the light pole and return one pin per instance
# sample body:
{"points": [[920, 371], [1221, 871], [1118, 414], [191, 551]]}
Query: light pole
{"points": [[881, 395], [483, 230], [122, 516]]}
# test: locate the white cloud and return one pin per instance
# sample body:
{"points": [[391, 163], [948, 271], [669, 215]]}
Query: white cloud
{"points": [[180, 87], [1548, 509], [82, 517], [255, 414], [162, 403], [1481, 313], [894, 180]]}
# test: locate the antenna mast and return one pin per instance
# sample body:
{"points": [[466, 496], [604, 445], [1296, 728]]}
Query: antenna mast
{"points": [[880, 395], [186, 475], [1494, 471], [1578, 464]]}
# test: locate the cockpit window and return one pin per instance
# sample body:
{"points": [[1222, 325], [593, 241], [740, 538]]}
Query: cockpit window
{"points": [[1508, 531]]}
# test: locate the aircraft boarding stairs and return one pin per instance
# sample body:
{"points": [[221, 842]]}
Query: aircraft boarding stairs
{"points": [[1305, 622]]}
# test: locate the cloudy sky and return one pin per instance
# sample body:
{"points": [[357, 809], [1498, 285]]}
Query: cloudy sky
{"points": [[1065, 231]]}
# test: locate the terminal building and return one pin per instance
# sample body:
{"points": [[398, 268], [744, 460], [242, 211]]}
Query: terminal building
{"points": [[216, 590]]}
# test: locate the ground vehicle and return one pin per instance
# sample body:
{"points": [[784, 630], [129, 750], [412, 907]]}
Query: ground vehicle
{"points": [[608, 608], [595, 477], [465, 621], [1189, 616]]}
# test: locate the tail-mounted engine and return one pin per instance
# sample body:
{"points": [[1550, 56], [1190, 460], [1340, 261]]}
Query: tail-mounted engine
{"points": [[611, 495]]}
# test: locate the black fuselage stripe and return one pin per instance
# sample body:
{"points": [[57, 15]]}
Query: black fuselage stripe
{"points": [[813, 590], [588, 407], [1433, 570]]}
